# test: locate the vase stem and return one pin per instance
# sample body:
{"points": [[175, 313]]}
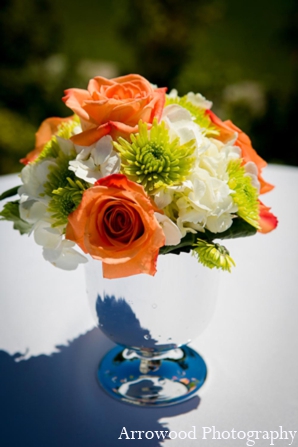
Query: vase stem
{"points": [[147, 366]]}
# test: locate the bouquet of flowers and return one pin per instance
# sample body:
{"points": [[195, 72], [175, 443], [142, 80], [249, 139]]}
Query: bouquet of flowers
{"points": [[137, 172]]}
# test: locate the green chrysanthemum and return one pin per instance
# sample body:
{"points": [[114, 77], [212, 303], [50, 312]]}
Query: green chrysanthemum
{"points": [[62, 186], [199, 114], [58, 171], [152, 160], [65, 130], [245, 195], [213, 255], [65, 200]]}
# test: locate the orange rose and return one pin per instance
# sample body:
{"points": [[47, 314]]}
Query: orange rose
{"points": [[46, 130], [114, 106], [227, 130], [115, 223]]}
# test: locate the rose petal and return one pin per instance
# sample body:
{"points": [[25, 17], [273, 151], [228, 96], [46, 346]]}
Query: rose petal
{"points": [[74, 98], [90, 136], [267, 220]]}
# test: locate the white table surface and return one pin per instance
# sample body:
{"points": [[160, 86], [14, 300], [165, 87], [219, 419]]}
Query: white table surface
{"points": [[49, 348]]}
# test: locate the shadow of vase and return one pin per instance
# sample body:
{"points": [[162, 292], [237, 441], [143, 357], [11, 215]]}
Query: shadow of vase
{"points": [[55, 400]]}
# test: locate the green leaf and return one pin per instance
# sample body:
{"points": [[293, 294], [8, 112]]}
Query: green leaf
{"points": [[11, 213], [9, 193], [239, 228], [185, 245]]}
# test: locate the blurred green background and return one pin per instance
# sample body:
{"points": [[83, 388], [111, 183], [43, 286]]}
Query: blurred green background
{"points": [[241, 55]]}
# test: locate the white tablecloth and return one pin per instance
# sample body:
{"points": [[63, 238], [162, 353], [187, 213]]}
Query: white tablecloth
{"points": [[49, 349]]}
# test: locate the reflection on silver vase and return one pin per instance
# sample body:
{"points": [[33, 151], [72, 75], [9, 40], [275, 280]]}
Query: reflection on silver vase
{"points": [[153, 319]]}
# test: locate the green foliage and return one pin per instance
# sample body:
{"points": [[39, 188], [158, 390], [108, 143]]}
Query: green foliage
{"points": [[16, 139], [239, 228], [11, 212]]}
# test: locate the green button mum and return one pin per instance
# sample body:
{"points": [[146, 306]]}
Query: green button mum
{"points": [[213, 255], [153, 160], [244, 194]]}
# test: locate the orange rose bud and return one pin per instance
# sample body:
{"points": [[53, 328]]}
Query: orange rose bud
{"points": [[114, 106], [227, 131], [115, 223], [46, 130]]}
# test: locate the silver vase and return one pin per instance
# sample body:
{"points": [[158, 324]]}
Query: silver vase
{"points": [[152, 319]]}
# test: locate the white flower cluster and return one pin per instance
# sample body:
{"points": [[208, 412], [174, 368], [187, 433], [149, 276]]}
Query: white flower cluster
{"points": [[33, 208], [204, 200]]}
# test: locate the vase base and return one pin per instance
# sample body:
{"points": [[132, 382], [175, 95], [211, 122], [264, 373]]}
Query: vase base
{"points": [[168, 381]]}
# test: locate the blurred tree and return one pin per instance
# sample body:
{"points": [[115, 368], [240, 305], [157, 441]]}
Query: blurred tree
{"points": [[216, 47], [28, 31], [290, 37], [161, 34], [29, 35], [16, 139], [289, 34], [276, 132]]}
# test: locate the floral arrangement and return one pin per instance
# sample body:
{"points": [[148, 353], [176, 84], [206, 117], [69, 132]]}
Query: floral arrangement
{"points": [[137, 172]]}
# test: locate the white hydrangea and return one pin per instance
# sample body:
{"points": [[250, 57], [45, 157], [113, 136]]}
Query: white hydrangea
{"points": [[180, 124], [204, 201], [196, 99], [199, 100]]}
